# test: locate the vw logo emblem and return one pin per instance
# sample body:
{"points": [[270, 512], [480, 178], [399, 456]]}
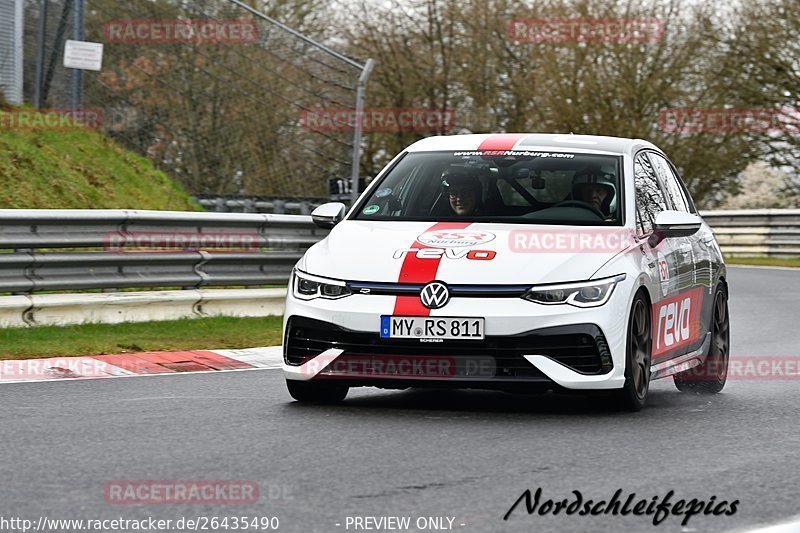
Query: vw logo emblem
{"points": [[434, 295]]}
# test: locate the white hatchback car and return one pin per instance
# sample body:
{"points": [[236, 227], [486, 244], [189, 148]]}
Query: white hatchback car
{"points": [[516, 262]]}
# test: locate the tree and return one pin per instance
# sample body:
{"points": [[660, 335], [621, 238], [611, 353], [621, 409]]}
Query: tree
{"points": [[223, 117], [763, 63], [460, 55], [762, 186]]}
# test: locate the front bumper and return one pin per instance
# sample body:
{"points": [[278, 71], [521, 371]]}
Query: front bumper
{"points": [[527, 345]]}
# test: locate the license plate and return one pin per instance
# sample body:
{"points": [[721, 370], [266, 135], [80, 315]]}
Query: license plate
{"points": [[431, 327]]}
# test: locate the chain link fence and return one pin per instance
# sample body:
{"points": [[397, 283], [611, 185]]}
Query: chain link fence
{"points": [[212, 91]]}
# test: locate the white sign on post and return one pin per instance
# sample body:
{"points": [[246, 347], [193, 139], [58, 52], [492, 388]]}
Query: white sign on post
{"points": [[83, 55]]}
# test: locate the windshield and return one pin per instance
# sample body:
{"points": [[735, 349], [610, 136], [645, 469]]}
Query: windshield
{"points": [[514, 187]]}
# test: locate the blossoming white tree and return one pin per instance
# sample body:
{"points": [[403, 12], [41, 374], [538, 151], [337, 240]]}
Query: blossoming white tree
{"points": [[762, 186]]}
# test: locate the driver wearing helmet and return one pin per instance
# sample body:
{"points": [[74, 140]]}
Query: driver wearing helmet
{"points": [[595, 188], [463, 190]]}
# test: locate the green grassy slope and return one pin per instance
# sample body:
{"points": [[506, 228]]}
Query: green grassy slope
{"points": [[78, 168]]}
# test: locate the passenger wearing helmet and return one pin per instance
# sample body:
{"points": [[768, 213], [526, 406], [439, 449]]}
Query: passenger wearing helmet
{"points": [[595, 188], [463, 191]]}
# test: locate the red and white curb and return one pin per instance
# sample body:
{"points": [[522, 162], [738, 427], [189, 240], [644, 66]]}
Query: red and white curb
{"points": [[139, 364]]}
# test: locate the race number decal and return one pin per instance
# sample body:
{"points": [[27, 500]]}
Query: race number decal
{"points": [[663, 273], [676, 321], [663, 269]]}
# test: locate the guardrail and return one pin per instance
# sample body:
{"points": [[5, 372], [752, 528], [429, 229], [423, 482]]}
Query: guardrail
{"points": [[68, 250], [260, 204], [75, 250], [770, 232]]}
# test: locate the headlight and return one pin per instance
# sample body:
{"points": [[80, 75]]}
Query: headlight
{"points": [[307, 287], [583, 294]]}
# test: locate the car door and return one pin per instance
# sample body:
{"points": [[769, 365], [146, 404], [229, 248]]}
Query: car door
{"points": [[671, 323], [700, 244], [684, 246]]}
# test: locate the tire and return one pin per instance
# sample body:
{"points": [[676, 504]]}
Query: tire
{"points": [[710, 376], [312, 392], [633, 395]]}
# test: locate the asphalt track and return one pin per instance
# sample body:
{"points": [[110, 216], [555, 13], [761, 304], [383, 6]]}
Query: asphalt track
{"points": [[464, 455]]}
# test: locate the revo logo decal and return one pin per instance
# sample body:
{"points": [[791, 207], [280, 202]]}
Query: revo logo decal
{"points": [[676, 321], [438, 253]]}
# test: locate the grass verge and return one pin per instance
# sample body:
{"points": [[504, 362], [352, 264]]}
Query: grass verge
{"points": [[764, 261], [96, 339]]}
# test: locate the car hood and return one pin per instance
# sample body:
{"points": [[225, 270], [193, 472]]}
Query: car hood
{"points": [[477, 253]]}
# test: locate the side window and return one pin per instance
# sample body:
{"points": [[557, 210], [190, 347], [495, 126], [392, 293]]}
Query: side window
{"points": [[649, 198], [670, 181]]}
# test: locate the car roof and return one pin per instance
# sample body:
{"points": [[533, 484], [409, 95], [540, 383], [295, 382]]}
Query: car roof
{"points": [[527, 141]]}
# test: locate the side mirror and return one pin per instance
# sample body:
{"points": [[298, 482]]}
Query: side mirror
{"points": [[671, 224], [328, 215]]}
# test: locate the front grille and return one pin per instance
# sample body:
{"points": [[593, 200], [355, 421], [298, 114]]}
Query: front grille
{"points": [[581, 347], [456, 291]]}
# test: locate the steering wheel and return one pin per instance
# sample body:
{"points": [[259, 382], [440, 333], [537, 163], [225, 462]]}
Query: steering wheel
{"points": [[584, 205]]}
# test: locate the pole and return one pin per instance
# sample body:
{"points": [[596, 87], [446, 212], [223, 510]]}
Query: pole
{"points": [[37, 98], [77, 74], [360, 89]]}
